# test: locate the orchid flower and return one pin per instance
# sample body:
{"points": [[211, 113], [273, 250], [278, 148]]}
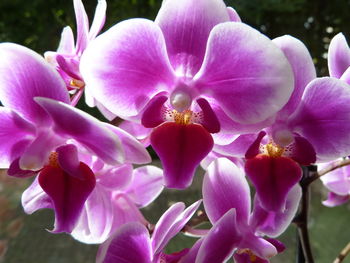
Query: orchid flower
{"points": [[133, 243], [196, 70], [338, 184], [339, 58], [313, 126], [119, 193], [37, 125], [337, 181], [67, 57], [236, 230]]}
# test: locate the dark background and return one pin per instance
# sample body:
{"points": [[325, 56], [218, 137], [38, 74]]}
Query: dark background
{"points": [[38, 23]]}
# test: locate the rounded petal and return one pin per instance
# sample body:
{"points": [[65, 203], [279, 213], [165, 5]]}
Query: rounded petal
{"points": [[303, 69], [126, 66], [90, 132], [130, 244], [24, 75], [180, 148], [273, 178], [186, 25], [224, 188], [323, 118], [338, 56], [245, 72]]}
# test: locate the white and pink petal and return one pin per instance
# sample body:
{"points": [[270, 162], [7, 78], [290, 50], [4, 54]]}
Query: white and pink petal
{"points": [[24, 75], [146, 185], [72, 123], [186, 25], [126, 66], [15, 135], [323, 118], [303, 69], [130, 244], [338, 56], [251, 81], [224, 188]]}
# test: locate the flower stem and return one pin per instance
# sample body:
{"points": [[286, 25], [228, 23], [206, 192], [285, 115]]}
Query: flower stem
{"points": [[301, 220], [190, 228], [201, 217], [300, 254], [331, 167], [345, 251]]}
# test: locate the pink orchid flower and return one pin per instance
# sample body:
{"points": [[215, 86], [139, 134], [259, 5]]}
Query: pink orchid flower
{"points": [[66, 59], [38, 125], [313, 126], [196, 70], [236, 230], [337, 183], [115, 200], [133, 243]]}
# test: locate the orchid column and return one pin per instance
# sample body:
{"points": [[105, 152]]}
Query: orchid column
{"points": [[195, 71]]}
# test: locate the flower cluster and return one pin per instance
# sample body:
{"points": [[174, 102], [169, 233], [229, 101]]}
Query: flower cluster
{"points": [[201, 88]]}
